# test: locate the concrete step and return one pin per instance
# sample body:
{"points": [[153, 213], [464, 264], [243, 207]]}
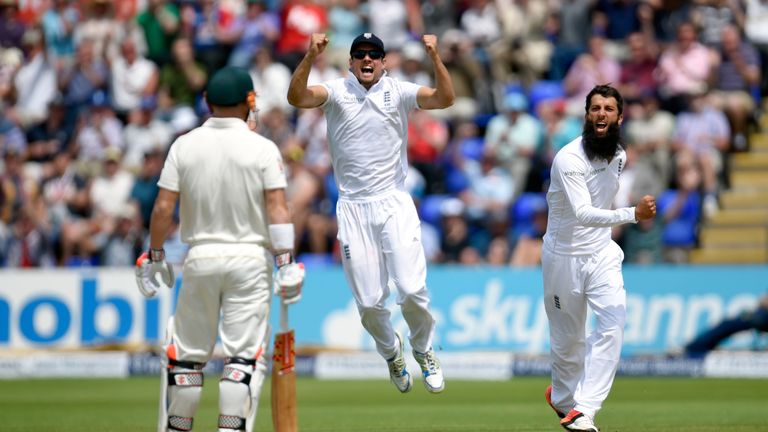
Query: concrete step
{"points": [[749, 179], [741, 199], [749, 161], [735, 237], [739, 218], [729, 256], [758, 142]]}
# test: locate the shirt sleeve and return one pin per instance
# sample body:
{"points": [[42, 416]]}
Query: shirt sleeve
{"points": [[273, 172], [571, 173], [169, 177], [408, 93]]}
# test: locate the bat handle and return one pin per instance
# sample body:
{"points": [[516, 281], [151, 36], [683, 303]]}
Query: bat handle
{"points": [[283, 317]]}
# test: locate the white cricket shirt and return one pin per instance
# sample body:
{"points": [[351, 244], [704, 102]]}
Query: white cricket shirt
{"points": [[221, 170], [580, 196], [368, 134]]}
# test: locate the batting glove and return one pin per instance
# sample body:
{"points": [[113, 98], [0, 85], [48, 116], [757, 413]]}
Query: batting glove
{"points": [[148, 266], [289, 280]]}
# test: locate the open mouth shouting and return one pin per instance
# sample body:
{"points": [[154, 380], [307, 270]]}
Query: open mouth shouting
{"points": [[601, 127], [366, 71]]}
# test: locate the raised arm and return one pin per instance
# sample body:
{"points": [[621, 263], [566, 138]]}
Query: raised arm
{"points": [[442, 95], [299, 94]]}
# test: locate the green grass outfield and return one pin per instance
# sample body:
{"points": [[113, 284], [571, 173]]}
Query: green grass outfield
{"points": [[635, 404]]}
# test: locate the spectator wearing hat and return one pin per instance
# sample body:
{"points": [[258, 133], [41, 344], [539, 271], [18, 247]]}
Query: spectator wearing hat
{"points": [[35, 81], [592, 68], [513, 137], [126, 241]]}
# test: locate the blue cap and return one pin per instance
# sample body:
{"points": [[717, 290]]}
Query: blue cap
{"points": [[516, 102], [367, 38]]}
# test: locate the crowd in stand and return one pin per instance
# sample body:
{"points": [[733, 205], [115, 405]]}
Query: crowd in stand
{"points": [[93, 93]]}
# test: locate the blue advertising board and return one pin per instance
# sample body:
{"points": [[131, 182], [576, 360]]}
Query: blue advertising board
{"points": [[477, 309]]}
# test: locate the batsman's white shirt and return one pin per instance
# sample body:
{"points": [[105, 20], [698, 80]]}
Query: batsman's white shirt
{"points": [[221, 170], [379, 228], [581, 266]]}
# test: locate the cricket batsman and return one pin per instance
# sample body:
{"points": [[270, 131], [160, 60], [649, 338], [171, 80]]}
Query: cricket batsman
{"points": [[581, 265], [230, 184]]}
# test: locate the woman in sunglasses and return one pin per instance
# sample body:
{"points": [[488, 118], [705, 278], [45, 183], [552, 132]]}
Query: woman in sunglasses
{"points": [[379, 229]]}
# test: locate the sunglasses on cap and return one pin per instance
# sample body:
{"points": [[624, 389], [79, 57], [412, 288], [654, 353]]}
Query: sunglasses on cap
{"points": [[373, 54]]}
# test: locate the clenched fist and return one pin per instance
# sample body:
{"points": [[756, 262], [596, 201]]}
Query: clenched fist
{"points": [[646, 208], [317, 44], [430, 43]]}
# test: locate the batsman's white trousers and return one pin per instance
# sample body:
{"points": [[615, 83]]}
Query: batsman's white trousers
{"points": [[583, 370], [381, 242], [230, 283]]}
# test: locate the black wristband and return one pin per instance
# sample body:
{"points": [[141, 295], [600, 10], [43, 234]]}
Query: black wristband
{"points": [[283, 259], [156, 255]]}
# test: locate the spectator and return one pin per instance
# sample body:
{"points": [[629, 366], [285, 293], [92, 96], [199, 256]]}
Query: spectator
{"points": [[66, 198], [298, 20], [490, 192], [737, 72], [181, 82], [684, 69], [99, 26], [160, 23], [649, 131], [712, 16], [35, 82], [621, 18], [346, 20], [259, 28], [29, 245], [684, 207], [527, 249], [756, 29], [411, 65], [395, 21], [271, 80], [572, 27], [126, 241], [145, 188], [80, 80], [704, 132], [144, 134], [637, 76], [98, 132], [513, 137], [454, 233], [58, 23], [133, 77], [49, 138], [592, 68], [427, 138], [11, 28], [214, 32]]}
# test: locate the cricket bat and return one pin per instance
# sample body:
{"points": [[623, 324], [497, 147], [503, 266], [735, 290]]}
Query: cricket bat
{"points": [[284, 418]]}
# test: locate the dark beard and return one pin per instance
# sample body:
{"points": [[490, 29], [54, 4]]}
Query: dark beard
{"points": [[604, 147]]}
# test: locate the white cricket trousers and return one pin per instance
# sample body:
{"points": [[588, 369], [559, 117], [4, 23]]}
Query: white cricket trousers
{"points": [[583, 370], [380, 242], [231, 283]]}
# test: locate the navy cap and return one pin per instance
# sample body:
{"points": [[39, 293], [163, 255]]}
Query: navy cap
{"points": [[367, 38], [229, 86]]}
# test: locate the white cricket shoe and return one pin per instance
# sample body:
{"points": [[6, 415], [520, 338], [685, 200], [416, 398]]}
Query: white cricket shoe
{"points": [[430, 368], [398, 374], [578, 421]]}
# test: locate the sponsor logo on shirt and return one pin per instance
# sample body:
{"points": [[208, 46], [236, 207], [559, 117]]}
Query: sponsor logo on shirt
{"points": [[597, 170], [350, 99], [573, 173]]}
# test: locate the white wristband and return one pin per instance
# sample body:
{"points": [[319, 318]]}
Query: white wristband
{"points": [[282, 237]]}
